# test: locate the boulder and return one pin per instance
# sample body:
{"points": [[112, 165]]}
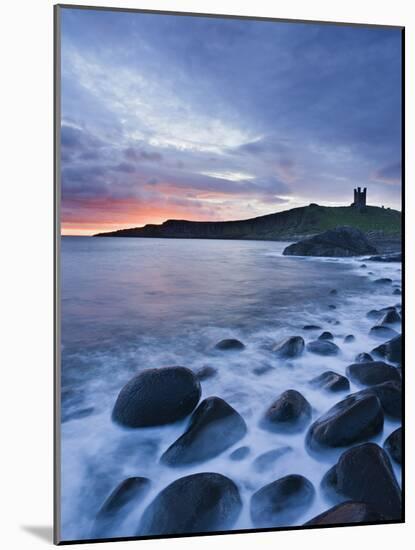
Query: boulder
{"points": [[347, 512], [338, 242], [282, 502], [383, 281], [390, 318], [397, 292], [290, 347], [331, 381], [390, 397], [192, 504], [290, 412], [131, 490], [390, 350], [354, 419], [230, 344], [364, 473], [374, 314], [349, 338], [206, 372], [156, 397], [214, 427], [240, 453], [382, 332], [323, 347], [363, 358], [393, 445], [326, 335], [311, 327], [372, 372], [266, 461]]}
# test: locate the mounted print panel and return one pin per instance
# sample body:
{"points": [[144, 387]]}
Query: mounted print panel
{"points": [[229, 314]]}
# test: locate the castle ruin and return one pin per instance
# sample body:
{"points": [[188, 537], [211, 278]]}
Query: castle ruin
{"points": [[359, 198]]}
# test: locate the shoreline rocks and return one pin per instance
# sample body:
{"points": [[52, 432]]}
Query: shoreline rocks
{"points": [[323, 347], [330, 381], [345, 513], [393, 445], [372, 372], [290, 347], [230, 344], [214, 427], [290, 412], [390, 350], [156, 397]]}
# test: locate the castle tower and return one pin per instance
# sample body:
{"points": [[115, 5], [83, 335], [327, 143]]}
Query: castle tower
{"points": [[359, 198]]}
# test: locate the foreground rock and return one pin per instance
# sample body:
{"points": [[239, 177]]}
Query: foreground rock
{"points": [[290, 347], [355, 419], [281, 502], [193, 504], [326, 335], [393, 445], [347, 512], [390, 318], [323, 347], [230, 344], [363, 358], [391, 350], [131, 490], [390, 397], [372, 372], [289, 413], [364, 473], [156, 397], [382, 332], [331, 381], [339, 242], [206, 372], [214, 427]]}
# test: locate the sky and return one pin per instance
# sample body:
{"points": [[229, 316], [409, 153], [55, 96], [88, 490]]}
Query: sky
{"points": [[217, 119]]}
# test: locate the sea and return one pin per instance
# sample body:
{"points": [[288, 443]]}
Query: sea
{"points": [[131, 304]]}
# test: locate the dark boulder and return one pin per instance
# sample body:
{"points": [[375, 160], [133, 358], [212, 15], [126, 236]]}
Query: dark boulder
{"points": [[390, 397], [363, 358], [382, 332], [340, 242], [333, 292], [347, 512], [323, 347], [383, 281], [397, 291], [393, 445], [289, 413], [390, 318], [355, 419], [240, 453], [326, 335], [349, 338], [266, 461], [131, 490], [390, 350], [332, 306], [230, 344], [311, 327], [206, 372], [192, 504], [290, 347], [374, 314], [214, 427], [281, 502], [372, 372], [364, 473], [157, 396], [331, 381]]}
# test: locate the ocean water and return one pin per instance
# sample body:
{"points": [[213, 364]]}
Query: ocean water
{"points": [[132, 304]]}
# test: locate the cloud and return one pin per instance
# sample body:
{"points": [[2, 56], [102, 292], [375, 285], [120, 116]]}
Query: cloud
{"points": [[392, 173]]}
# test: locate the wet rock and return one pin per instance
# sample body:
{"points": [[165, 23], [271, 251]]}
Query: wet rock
{"points": [[230, 344], [290, 412], [157, 396], [332, 306], [372, 372], [263, 369], [131, 490], [383, 281], [331, 381], [390, 397], [206, 372], [364, 266], [290, 347], [382, 332], [214, 427], [363, 358], [349, 338], [345, 513], [326, 335], [397, 292], [323, 347], [240, 453], [281, 502], [193, 504], [373, 314], [311, 327], [266, 461], [339, 242], [364, 473], [333, 292], [355, 419], [390, 350], [393, 445], [390, 318]]}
